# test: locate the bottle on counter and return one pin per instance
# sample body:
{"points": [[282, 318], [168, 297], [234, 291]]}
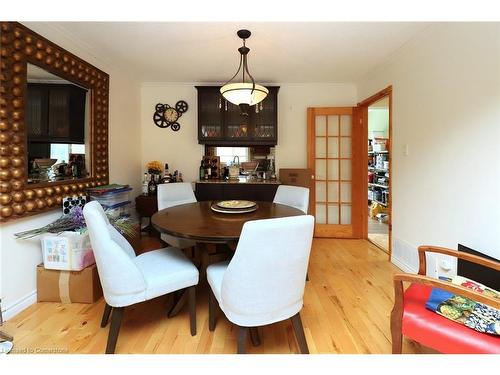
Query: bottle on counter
{"points": [[152, 186], [167, 177], [202, 171], [208, 173], [145, 188], [179, 178]]}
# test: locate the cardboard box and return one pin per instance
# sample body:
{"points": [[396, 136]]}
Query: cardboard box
{"points": [[69, 251], [68, 286], [298, 177]]}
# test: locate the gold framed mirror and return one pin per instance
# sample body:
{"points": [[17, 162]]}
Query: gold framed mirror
{"points": [[27, 187]]}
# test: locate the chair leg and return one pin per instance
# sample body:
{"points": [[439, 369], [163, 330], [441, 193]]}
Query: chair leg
{"points": [[178, 304], [397, 340], [299, 333], [397, 319], [212, 310], [192, 309], [254, 336], [242, 339], [105, 315], [116, 320]]}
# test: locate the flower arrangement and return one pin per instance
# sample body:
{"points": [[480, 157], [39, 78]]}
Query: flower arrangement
{"points": [[75, 221], [154, 167]]}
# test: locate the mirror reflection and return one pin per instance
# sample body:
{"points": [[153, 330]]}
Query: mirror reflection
{"points": [[58, 128]]}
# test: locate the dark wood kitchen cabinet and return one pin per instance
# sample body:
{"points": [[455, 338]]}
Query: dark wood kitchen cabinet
{"points": [[213, 191], [220, 123], [55, 113]]}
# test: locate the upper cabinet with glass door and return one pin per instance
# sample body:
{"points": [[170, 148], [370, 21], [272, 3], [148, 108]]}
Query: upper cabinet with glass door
{"points": [[221, 123], [57, 124]]}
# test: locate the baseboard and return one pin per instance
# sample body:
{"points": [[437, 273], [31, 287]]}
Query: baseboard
{"points": [[20, 305], [403, 266]]}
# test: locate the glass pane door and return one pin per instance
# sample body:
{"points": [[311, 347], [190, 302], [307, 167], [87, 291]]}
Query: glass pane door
{"points": [[330, 156]]}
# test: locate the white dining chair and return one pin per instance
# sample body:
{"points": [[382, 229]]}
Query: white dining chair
{"points": [[174, 194], [128, 279], [295, 196], [264, 281]]}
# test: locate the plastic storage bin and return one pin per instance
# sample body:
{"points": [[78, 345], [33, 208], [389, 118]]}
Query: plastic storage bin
{"points": [[69, 251], [116, 203], [111, 198]]}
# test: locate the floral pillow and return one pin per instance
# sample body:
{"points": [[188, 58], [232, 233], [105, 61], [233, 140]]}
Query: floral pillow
{"points": [[463, 310]]}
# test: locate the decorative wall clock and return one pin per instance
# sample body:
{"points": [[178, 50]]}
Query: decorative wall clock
{"points": [[166, 115]]}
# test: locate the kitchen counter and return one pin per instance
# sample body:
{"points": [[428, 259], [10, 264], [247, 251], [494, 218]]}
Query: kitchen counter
{"points": [[240, 180]]}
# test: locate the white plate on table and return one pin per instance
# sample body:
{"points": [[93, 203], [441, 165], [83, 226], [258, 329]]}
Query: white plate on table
{"points": [[216, 208], [236, 204]]}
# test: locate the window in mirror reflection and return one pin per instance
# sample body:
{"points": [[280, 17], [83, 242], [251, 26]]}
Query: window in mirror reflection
{"points": [[57, 119]]}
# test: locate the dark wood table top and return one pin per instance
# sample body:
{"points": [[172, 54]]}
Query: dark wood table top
{"points": [[197, 221]]}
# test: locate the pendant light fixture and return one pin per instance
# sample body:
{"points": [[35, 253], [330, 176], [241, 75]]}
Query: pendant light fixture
{"points": [[244, 94]]}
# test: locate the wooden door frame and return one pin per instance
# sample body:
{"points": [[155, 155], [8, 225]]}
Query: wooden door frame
{"points": [[358, 178], [363, 106]]}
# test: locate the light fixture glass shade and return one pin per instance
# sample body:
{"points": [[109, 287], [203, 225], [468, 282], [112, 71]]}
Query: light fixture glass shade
{"points": [[241, 93]]}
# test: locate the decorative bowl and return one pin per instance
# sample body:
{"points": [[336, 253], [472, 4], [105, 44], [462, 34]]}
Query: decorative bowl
{"points": [[45, 163]]}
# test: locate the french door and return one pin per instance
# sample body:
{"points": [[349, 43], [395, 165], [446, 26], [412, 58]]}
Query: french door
{"points": [[335, 155]]}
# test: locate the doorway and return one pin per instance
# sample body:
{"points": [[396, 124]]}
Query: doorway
{"points": [[377, 120], [334, 149]]}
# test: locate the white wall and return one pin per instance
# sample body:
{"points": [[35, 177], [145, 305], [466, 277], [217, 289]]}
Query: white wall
{"points": [[181, 149], [446, 108], [378, 122], [18, 259], [293, 100]]}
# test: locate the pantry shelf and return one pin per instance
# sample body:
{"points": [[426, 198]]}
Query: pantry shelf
{"points": [[378, 185]]}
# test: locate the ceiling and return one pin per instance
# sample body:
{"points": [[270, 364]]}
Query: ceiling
{"points": [[207, 51]]}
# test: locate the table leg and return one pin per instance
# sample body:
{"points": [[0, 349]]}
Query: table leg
{"points": [[202, 249]]}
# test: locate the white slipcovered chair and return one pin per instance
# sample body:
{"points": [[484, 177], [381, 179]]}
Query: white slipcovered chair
{"points": [[294, 196], [128, 279], [264, 281], [174, 194]]}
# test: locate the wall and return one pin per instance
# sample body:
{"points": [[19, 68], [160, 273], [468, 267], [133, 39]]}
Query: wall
{"points": [[378, 122], [446, 111], [181, 149], [18, 259]]}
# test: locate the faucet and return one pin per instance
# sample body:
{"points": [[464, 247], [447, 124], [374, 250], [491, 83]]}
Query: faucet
{"points": [[236, 156]]}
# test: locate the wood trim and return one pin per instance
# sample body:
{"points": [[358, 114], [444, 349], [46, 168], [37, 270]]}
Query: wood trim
{"points": [[391, 176], [359, 211], [376, 97], [363, 105], [311, 150], [341, 230], [18, 47], [327, 111]]}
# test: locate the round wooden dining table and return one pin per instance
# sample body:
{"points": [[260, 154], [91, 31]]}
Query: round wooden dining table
{"points": [[198, 222]]}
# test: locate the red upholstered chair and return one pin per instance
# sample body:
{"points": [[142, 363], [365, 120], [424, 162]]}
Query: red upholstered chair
{"points": [[410, 318]]}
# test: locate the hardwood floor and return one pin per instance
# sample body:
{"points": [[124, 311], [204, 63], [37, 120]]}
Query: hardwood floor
{"points": [[378, 233], [347, 305]]}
